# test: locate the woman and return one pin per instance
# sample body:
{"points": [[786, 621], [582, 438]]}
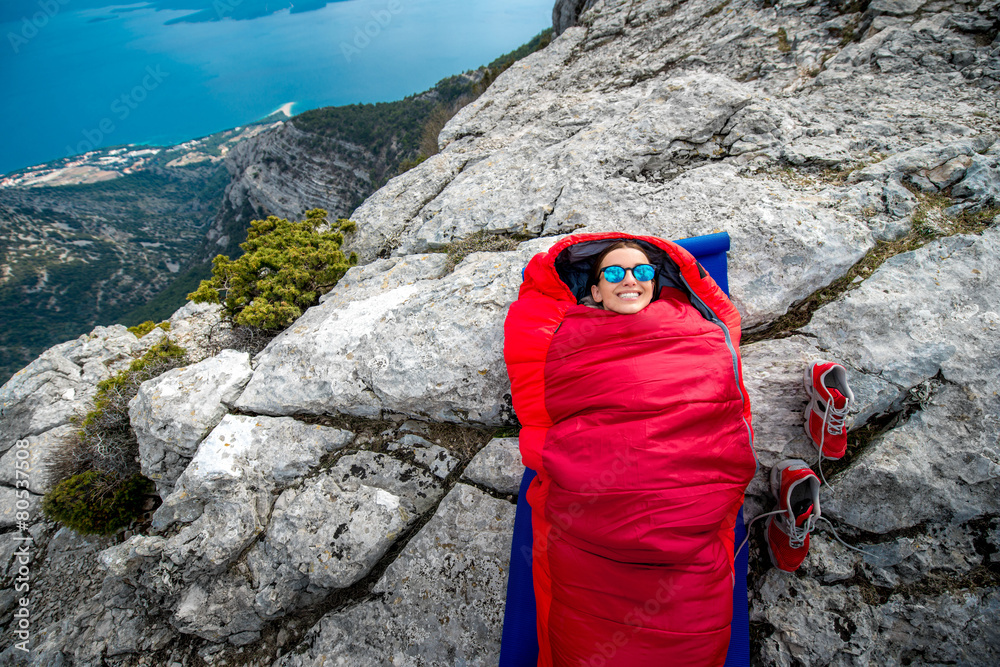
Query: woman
{"points": [[635, 418]]}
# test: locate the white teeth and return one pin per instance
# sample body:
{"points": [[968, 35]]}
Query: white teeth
{"points": [[628, 295]]}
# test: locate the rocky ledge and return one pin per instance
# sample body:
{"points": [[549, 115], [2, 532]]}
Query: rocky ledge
{"points": [[339, 497]]}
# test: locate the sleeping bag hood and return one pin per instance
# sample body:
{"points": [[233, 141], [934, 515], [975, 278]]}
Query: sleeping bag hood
{"points": [[639, 429]]}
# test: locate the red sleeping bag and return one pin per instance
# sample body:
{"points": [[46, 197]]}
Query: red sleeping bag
{"points": [[639, 429]]}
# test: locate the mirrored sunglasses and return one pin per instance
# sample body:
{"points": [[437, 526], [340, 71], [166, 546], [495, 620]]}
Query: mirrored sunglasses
{"points": [[641, 272]]}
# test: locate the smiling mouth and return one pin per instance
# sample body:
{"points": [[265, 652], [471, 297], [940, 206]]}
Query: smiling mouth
{"points": [[628, 296]]}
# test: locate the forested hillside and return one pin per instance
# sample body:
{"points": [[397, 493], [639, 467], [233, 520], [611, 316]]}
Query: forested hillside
{"points": [[130, 246]]}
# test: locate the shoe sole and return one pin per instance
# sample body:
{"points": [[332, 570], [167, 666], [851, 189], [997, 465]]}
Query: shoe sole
{"points": [[767, 540], [807, 379], [770, 552]]}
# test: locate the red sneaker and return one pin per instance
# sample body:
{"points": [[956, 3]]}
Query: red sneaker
{"points": [[797, 489], [829, 401]]}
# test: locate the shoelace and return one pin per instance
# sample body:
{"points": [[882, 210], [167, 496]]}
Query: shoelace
{"points": [[752, 522], [833, 418], [837, 537], [810, 522], [799, 533]]}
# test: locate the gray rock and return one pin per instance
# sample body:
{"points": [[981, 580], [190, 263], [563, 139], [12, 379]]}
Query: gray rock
{"points": [[418, 488], [223, 500], [324, 538], [331, 532], [927, 313], [566, 13], [949, 435], [924, 159], [384, 275], [409, 193], [819, 151], [950, 172], [971, 21], [173, 412], [980, 180], [924, 311], [17, 506], [441, 600], [225, 612], [8, 545], [59, 384], [899, 201], [40, 449], [497, 466], [896, 7], [773, 375], [431, 349], [436, 458], [192, 327], [221, 504], [838, 625]]}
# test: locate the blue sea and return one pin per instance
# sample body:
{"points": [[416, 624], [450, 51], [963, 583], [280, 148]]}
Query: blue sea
{"points": [[82, 74]]}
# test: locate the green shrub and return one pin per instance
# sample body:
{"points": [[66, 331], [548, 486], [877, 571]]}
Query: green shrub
{"points": [[99, 465], [783, 45], [92, 502], [144, 328], [285, 268]]}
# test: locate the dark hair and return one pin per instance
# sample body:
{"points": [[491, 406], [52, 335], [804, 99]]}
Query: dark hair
{"points": [[595, 273]]}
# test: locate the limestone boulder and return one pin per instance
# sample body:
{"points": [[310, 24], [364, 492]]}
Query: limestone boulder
{"points": [[16, 504], [435, 458], [370, 355], [31, 471], [979, 182], [922, 328], [58, 385], [443, 595], [930, 320], [331, 532], [196, 328], [173, 412], [839, 625], [497, 466], [773, 374], [223, 499], [220, 610]]}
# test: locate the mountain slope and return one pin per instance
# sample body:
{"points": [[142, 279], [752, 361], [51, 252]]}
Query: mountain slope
{"points": [[344, 505]]}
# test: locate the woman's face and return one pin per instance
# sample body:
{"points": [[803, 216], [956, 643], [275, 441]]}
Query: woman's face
{"points": [[629, 296]]}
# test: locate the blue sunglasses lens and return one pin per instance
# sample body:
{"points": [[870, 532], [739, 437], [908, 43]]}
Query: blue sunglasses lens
{"points": [[616, 274], [643, 272]]}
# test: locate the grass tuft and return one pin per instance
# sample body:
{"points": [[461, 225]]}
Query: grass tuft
{"points": [[480, 241]]}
